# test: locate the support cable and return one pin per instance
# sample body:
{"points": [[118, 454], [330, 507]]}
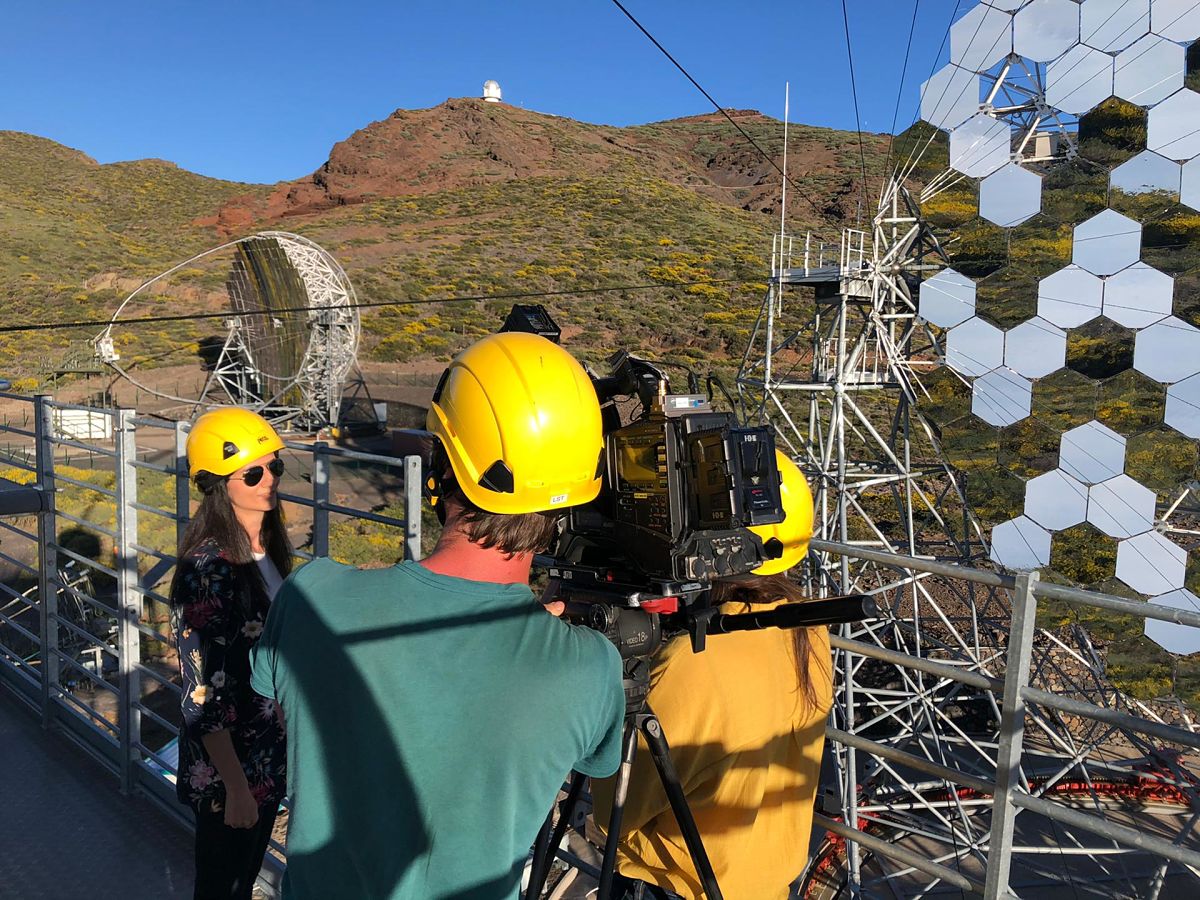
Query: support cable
{"points": [[887, 165], [717, 106], [862, 155], [429, 301]]}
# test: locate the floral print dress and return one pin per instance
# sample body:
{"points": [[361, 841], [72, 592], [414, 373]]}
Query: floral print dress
{"points": [[218, 613]]}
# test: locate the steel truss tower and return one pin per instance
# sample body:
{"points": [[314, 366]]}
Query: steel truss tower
{"points": [[835, 362], [837, 375]]}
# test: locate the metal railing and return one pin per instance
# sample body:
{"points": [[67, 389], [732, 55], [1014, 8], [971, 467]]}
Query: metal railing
{"points": [[91, 655], [1008, 791], [84, 637]]}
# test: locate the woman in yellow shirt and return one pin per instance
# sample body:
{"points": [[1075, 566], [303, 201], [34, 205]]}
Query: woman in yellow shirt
{"points": [[745, 720]]}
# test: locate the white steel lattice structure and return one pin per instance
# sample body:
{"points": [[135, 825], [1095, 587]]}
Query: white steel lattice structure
{"points": [[290, 335], [894, 362]]}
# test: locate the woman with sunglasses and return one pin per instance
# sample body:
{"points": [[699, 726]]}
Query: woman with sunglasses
{"points": [[232, 559]]}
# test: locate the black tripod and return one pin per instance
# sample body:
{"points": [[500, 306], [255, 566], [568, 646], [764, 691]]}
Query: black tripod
{"points": [[640, 719], [646, 723]]}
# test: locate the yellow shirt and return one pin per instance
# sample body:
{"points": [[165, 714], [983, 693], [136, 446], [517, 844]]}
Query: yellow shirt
{"points": [[748, 746]]}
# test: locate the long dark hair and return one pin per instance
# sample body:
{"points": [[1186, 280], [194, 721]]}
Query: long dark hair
{"points": [[768, 589], [216, 521]]}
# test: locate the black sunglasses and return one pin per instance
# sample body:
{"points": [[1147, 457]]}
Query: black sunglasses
{"points": [[254, 474]]}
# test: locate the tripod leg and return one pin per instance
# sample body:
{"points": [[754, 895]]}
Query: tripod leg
{"points": [[661, 753], [539, 867], [609, 867], [546, 845]]}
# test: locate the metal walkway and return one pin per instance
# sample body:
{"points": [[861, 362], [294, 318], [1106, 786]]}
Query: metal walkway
{"points": [[69, 832]]}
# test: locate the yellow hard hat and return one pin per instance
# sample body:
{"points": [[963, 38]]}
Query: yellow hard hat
{"points": [[224, 440], [520, 423], [796, 529]]}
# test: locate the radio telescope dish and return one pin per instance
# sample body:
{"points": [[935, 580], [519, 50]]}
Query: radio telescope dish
{"points": [[269, 322]]}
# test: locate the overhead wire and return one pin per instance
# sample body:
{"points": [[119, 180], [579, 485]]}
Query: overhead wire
{"points": [[862, 153], [916, 155], [47, 326], [718, 107], [423, 301], [932, 69], [887, 165]]}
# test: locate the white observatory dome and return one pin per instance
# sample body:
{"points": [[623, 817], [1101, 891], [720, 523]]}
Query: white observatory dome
{"points": [[491, 91]]}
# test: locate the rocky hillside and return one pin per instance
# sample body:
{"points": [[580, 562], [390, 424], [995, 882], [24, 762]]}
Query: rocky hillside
{"points": [[463, 143], [465, 198]]}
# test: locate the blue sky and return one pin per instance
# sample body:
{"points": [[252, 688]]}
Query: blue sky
{"points": [[260, 91]]}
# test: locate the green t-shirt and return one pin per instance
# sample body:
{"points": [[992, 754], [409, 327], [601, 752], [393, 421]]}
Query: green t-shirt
{"points": [[430, 723]]}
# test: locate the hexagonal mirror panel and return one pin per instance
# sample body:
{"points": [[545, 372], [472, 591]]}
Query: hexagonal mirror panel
{"points": [[1113, 25], [950, 97], [1106, 243], [1171, 129], [1120, 507], [1046, 29], [1146, 173], [1001, 397], [1070, 297], [981, 38], [1138, 296], [1176, 20], [1021, 543], [1079, 80], [947, 299], [1149, 70], [1035, 348], [1151, 564], [1183, 407], [975, 347], [1189, 193], [1074, 182], [980, 145], [1171, 636], [1056, 500], [1092, 453], [1010, 195], [1167, 351]]}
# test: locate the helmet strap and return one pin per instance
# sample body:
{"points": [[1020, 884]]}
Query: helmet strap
{"points": [[440, 482], [207, 481]]}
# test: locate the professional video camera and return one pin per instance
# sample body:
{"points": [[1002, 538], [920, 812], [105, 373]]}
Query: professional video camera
{"points": [[683, 484]]}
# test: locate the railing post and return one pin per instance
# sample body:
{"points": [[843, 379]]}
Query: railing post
{"points": [[320, 483], [1012, 735], [412, 507], [183, 492], [47, 555], [128, 599]]}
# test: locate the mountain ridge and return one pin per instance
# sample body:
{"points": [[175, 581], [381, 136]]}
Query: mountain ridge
{"points": [[464, 197], [464, 142]]}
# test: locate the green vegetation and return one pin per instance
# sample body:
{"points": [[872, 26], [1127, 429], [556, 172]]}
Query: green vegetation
{"points": [[83, 235], [66, 219], [547, 234]]}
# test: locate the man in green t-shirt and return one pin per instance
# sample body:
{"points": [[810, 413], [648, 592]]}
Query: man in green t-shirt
{"points": [[434, 708]]}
